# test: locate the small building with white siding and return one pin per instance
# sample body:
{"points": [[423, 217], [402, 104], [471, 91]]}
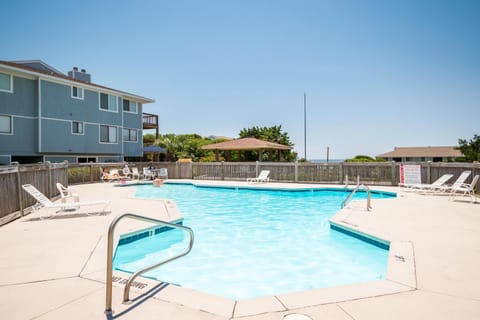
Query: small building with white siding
{"points": [[422, 154]]}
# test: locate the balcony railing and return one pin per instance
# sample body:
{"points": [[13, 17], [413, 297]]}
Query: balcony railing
{"points": [[150, 121]]}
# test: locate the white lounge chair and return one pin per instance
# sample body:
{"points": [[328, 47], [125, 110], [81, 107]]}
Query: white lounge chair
{"points": [[147, 173], [135, 173], [262, 177], [112, 175], [66, 193], [163, 173], [47, 203], [465, 188], [459, 182], [435, 186], [126, 171]]}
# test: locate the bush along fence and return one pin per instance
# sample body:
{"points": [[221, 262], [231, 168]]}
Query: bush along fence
{"points": [[13, 200]]}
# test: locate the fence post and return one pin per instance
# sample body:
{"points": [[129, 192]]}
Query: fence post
{"points": [[91, 172], [223, 171], [296, 170], [256, 168], [394, 176], [49, 179], [429, 173], [341, 173], [19, 188]]}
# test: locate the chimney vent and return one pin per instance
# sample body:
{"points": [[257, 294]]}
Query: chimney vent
{"points": [[79, 75]]}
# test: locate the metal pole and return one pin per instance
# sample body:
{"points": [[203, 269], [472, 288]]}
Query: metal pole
{"points": [[305, 125], [328, 151]]}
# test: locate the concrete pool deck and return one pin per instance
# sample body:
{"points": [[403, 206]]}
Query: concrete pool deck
{"points": [[55, 268]]}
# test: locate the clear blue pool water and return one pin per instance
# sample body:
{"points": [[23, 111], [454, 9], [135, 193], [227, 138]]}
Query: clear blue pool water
{"points": [[252, 243]]}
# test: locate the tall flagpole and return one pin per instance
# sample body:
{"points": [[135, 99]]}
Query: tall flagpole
{"points": [[305, 125]]}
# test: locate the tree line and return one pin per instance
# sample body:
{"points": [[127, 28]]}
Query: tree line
{"points": [[190, 145]]}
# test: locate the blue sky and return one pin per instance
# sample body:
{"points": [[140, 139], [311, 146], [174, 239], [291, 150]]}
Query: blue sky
{"points": [[377, 74]]}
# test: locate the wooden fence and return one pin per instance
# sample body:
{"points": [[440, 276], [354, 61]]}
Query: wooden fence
{"points": [[44, 176]]}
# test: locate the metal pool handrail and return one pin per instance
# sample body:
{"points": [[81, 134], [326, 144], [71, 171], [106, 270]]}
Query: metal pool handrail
{"points": [[126, 291], [358, 187]]}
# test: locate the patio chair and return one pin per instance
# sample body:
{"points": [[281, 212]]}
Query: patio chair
{"points": [[262, 177], [135, 173], [459, 182], [147, 173], [163, 173], [47, 203], [464, 189], [126, 171], [66, 193], [435, 186], [113, 175]]}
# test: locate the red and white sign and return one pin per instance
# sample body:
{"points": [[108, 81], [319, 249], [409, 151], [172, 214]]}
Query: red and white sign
{"points": [[410, 174]]}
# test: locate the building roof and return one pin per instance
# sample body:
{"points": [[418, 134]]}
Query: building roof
{"points": [[247, 144], [415, 152], [38, 64], [50, 73]]}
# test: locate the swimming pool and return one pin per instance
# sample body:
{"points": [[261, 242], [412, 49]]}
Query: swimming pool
{"points": [[252, 243]]}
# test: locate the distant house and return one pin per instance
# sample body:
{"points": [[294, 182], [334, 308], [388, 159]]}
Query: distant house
{"points": [[46, 115], [421, 154]]}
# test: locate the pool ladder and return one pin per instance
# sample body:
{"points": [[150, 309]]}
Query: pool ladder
{"points": [[359, 187], [126, 291]]}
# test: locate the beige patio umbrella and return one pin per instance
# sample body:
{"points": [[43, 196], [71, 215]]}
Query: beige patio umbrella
{"points": [[246, 144]]}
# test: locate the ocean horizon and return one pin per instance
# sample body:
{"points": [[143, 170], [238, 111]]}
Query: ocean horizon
{"points": [[325, 160]]}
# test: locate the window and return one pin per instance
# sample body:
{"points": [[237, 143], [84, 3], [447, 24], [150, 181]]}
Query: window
{"points": [[108, 134], [129, 106], [130, 135], [77, 93], [6, 82], [86, 159], [108, 102], [5, 124], [77, 127]]}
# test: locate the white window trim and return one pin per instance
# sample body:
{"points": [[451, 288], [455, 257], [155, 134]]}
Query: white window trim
{"points": [[136, 112], [11, 125], [83, 126], [100, 105], [74, 97], [99, 134], [11, 84], [130, 141]]}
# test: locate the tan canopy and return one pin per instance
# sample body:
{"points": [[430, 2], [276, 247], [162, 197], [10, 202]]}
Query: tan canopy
{"points": [[244, 144]]}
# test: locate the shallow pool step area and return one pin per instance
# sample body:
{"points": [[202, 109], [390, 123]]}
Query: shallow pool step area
{"points": [[401, 257]]}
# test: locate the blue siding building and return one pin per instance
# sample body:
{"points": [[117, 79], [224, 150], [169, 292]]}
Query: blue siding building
{"points": [[46, 115]]}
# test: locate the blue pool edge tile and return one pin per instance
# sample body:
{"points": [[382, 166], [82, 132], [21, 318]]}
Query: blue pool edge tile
{"points": [[380, 243]]}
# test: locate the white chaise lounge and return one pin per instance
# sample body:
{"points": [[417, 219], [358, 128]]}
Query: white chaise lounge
{"points": [[437, 185], [262, 177], [465, 189], [47, 203]]}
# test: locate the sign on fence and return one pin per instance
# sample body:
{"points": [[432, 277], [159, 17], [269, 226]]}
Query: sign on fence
{"points": [[410, 174]]}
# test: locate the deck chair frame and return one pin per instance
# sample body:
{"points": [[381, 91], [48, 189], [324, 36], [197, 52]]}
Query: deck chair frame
{"points": [[47, 203]]}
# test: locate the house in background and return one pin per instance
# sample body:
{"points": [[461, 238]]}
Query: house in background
{"points": [[46, 115], [422, 154]]}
